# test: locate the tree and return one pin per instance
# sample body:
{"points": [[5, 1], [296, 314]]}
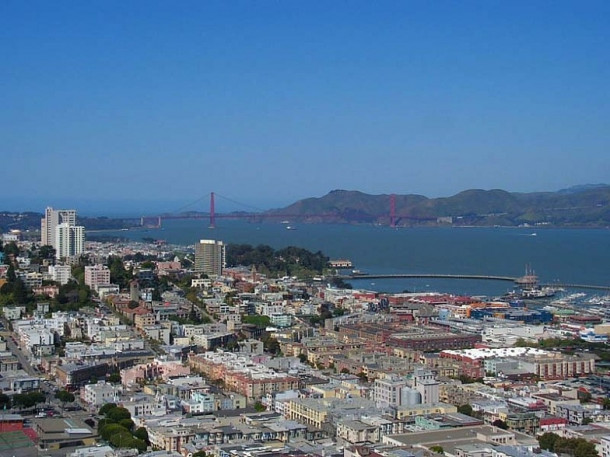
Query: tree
{"points": [[46, 252], [106, 408], [438, 449], [11, 276], [118, 414], [258, 406], [500, 424], [142, 434], [20, 292], [64, 396], [271, 345], [11, 249], [585, 449], [114, 377], [5, 401], [109, 430], [465, 409], [547, 441], [122, 438], [127, 423]]}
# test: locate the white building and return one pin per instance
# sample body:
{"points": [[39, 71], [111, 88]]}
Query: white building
{"points": [[604, 446], [69, 240], [145, 405], [104, 290], [100, 393], [393, 391], [60, 273], [52, 218], [200, 402], [425, 383]]}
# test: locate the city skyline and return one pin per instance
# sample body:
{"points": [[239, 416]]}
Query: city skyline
{"points": [[150, 106]]}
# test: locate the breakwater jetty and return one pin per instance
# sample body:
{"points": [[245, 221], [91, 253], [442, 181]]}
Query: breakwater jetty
{"points": [[357, 276]]}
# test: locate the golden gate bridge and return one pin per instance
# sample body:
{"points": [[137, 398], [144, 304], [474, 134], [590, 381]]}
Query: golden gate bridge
{"points": [[258, 214]]}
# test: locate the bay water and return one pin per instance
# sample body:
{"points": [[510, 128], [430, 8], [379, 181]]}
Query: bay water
{"points": [[575, 256]]}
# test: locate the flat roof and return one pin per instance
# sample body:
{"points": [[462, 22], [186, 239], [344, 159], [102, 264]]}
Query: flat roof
{"points": [[445, 435]]}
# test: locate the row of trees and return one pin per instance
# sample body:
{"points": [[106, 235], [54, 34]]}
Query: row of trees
{"points": [[118, 429], [568, 345], [28, 400], [575, 447]]}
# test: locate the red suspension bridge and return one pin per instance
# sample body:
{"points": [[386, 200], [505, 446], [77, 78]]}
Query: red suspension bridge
{"points": [[257, 214]]}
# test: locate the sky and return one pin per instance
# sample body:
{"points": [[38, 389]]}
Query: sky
{"points": [[151, 105]]}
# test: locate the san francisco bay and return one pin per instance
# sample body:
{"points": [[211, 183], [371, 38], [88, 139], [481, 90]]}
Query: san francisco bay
{"points": [[576, 256]]}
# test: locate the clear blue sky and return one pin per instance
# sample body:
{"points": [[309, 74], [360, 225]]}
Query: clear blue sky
{"points": [[156, 103]]}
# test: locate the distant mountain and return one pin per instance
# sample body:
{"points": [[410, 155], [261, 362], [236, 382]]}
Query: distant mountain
{"points": [[10, 220], [586, 206], [582, 187]]}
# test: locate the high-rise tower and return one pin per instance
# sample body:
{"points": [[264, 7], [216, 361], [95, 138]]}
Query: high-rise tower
{"points": [[210, 257], [52, 218], [58, 229]]}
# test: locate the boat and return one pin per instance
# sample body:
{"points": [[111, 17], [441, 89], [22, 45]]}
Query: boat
{"points": [[538, 292], [290, 227]]}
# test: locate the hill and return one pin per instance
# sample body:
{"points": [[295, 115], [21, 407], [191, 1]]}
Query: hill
{"points": [[580, 206]]}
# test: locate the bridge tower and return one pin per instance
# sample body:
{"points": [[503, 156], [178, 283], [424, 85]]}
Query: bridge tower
{"points": [[212, 212]]}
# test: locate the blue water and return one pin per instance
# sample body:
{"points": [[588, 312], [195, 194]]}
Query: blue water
{"points": [[580, 256]]}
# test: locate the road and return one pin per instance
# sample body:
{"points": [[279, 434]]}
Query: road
{"points": [[11, 346]]}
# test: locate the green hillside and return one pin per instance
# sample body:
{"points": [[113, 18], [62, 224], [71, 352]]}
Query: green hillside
{"points": [[583, 206]]}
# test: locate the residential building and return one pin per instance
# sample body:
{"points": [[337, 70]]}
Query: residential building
{"points": [[100, 393], [210, 257], [96, 275], [69, 240], [199, 403], [60, 273], [605, 446], [52, 218]]}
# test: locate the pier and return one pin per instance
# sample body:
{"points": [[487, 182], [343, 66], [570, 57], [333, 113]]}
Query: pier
{"points": [[476, 277], [426, 276]]}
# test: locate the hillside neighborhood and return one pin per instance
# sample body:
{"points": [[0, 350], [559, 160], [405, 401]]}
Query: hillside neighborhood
{"points": [[125, 348]]}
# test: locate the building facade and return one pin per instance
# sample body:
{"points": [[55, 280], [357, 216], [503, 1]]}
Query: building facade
{"points": [[69, 240], [210, 257], [96, 275], [52, 218]]}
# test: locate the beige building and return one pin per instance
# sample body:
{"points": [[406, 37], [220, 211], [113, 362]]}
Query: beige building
{"points": [[307, 411], [210, 257], [403, 412]]}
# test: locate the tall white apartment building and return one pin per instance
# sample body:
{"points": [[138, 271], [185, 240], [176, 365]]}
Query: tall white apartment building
{"points": [[210, 257], [69, 240], [52, 218]]}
